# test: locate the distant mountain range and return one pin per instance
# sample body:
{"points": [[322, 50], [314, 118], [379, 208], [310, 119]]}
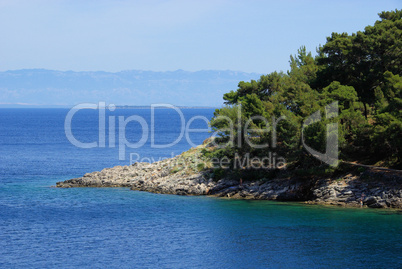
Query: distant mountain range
{"points": [[40, 87]]}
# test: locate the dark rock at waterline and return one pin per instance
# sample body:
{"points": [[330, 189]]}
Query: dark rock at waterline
{"points": [[180, 176]]}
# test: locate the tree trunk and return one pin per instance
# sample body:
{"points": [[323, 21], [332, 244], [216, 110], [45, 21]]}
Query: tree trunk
{"points": [[365, 110]]}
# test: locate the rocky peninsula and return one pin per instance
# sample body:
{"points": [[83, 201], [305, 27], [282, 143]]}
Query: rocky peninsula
{"points": [[183, 175]]}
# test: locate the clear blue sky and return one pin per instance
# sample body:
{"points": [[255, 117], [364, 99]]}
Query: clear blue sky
{"points": [[114, 35]]}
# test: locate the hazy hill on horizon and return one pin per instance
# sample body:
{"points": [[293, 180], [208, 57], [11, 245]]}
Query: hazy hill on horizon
{"points": [[134, 87]]}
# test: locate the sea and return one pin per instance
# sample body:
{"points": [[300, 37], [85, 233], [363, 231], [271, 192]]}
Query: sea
{"points": [[46, 227]]}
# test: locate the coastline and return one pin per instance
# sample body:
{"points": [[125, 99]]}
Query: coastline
{"points": [[180, 176]]}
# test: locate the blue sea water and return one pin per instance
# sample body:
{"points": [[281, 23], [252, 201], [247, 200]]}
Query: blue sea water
{"points": [[45, 227]]}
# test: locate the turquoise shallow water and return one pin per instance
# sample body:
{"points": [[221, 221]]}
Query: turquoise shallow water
{"points": [[44, 227]]}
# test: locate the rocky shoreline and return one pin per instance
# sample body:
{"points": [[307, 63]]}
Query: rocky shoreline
{"points": [[180, 176]]}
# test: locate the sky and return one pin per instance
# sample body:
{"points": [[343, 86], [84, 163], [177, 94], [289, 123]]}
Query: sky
{"points": [[166, 35]]}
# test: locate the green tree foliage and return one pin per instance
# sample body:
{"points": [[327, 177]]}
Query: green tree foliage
{"points": [[388, 120], [361, 59], [361, 71]]}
